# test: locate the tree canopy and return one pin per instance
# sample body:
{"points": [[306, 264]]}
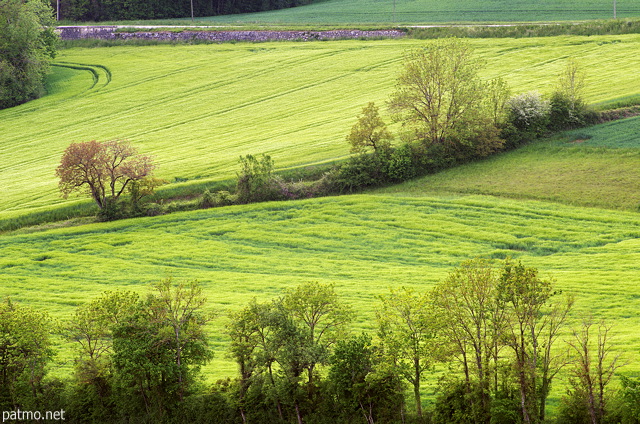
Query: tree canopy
{"points": [[103, 168], [27, 45]]}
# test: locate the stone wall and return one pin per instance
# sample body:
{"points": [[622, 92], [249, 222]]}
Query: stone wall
{"points": [[110, 33]]}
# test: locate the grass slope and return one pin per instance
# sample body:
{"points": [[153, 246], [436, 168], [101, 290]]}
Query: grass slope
{"points": [[331, 12], [596, 166], [363, 243], [197, 108]]}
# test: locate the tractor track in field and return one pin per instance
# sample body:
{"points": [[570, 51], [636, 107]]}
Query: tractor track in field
{"points": [[101, 74]]}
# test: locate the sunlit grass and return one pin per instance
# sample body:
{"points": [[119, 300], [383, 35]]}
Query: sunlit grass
{"points": [[363, 243], [196, 109], [597, 166], [331, 12]]}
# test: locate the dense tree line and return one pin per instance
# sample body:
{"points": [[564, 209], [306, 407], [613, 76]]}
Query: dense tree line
{"points": [[106, 10], [448, 115], [27, 45], [494, 328]]}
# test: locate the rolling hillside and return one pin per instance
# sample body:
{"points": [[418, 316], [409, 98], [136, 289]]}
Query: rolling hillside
{"points": [[365, 244], [196, 109], [336, 12]]}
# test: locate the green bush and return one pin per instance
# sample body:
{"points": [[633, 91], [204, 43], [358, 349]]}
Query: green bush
{"points": [[255, 179], [528, 118], [401, 165]]}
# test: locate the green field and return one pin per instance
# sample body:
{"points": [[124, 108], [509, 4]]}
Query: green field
{"points": [[414, 12], [596, 166], [363, 243], [196, 109]]}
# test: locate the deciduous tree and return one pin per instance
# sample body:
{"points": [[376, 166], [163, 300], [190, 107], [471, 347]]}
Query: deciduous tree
{"points": [[439, 96], [407, 330], [27, 45], [25, 350], [369, 132], [473, 323], [103, 168]]}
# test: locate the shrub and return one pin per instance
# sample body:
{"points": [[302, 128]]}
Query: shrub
{"points": [[528, 118], [365, 170], [255, 179], [401, 165]]}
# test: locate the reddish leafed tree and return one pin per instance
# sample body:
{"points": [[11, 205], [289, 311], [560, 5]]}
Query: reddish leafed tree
{"points": [[102, 168]]}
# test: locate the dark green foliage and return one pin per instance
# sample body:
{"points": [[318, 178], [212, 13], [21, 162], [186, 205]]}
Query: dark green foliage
{"points": [[138, 360], [25, 351], [458, 404], [109, 10], [255, 179], [364, 170], [402, 164], [630, 399], [27, 45], [363, 385]]}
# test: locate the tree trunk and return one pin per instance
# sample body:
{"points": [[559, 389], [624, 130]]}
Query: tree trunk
{"points": [[416, 387]]}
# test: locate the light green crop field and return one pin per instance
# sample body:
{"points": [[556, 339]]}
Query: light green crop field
{"points": [[596, 166], [365, 244], [431, 11], [196, 109]]}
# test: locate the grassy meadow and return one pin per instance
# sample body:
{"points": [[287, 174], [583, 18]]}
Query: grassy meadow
{"points": [[592, 167], [365, 244], [332, 12], [196, 109], [567, 205]]}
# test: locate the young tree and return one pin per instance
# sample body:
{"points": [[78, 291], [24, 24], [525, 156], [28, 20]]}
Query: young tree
{"points": [[593, 369], [91, 328], [25, 350], [323, 319], [473, 322], [27, 45], [439, 95], [567, 107], [104, 169], [369, 132], [255, 347], [255, 179], [407, 330], [532, 328]]}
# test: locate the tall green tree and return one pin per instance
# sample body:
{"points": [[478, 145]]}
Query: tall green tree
{"points": [[25, 350], [534, 322], [91, 330], [320, 315], [407, 329], [440, 98], [473, 323], [158, 349], [27, 45]]}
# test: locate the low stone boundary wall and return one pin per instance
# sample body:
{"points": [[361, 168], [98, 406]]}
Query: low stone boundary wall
{"points": [[110, 33]]}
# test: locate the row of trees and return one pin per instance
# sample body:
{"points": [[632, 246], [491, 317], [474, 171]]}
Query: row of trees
{"points": [[105, 10], [499, 332], [27, 46], [448, 115]]}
